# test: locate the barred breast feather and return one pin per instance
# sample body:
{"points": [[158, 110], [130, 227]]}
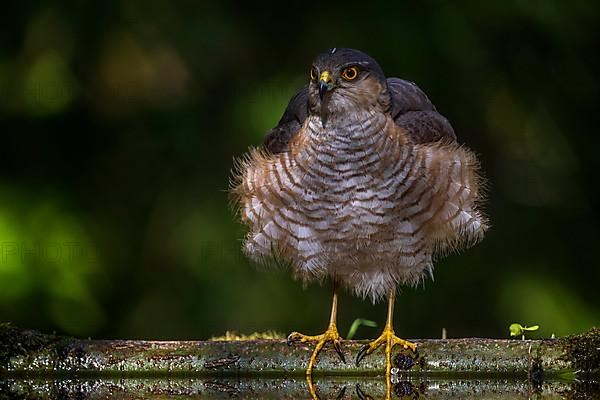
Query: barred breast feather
{"points": [[360, 202]]}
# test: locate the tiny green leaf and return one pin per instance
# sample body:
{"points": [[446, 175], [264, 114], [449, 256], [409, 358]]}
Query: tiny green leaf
{"points": [[531, 328], [518, 329], [515, 329]]}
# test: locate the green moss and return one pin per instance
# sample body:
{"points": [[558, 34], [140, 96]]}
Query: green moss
{"points": [[234, 336], [583, 351], [18, 342]]}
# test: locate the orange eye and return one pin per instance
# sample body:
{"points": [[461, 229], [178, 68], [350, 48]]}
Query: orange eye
{"points": [[314, 74], [350, 73]]}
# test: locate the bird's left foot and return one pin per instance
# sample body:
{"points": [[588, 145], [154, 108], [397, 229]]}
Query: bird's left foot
{"points": [[389, 338], [330, 335]]}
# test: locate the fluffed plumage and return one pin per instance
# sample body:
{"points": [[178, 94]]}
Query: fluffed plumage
{"points": [[365, 185]]}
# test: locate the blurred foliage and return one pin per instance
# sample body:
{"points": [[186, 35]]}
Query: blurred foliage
{"points": [[120, 121], [357, 323]]}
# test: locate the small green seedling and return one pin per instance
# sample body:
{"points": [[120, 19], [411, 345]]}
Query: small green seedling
{"points": [[357, 323], [518, 329]]}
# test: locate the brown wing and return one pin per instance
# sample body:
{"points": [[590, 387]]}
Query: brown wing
{"points": [[411, 110], [277, 139]]}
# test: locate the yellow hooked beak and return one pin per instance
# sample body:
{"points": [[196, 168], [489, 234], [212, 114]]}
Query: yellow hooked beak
{"points": [[325, 83]]}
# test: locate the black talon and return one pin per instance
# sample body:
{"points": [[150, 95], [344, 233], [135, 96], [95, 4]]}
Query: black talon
{"points": [[338, 349], [361, 354], [289, 339], [341, 393], [362, 395]]}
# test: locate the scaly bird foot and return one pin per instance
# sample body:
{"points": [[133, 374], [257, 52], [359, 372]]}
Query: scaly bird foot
{"points": [[330, 335], [389, 338]]}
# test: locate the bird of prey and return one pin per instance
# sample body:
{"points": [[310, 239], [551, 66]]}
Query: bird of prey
{"points": [[363, 183]]}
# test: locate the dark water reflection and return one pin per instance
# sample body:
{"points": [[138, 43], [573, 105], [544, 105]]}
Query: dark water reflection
{"points": [[327, 388]]}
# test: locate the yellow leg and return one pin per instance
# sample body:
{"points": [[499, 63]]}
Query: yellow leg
{"points": [[330, 335], [389, 338]]}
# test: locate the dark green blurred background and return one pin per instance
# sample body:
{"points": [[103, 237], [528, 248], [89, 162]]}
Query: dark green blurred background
{"points": [[120, 121]]}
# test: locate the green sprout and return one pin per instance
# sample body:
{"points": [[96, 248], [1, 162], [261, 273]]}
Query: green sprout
{"points": [[520, 330], [356, 324]]}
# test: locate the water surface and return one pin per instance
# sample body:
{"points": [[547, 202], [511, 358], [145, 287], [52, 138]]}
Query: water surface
{"points": [[327, 388]]}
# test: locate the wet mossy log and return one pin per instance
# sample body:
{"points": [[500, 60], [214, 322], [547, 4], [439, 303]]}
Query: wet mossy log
{"points": [[32, 354]]}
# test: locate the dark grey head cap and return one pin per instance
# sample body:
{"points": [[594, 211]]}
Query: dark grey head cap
{"points": [[337, 58]]}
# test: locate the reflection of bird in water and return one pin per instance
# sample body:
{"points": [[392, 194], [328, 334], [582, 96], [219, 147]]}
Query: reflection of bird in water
{"points": [[361, 182]]}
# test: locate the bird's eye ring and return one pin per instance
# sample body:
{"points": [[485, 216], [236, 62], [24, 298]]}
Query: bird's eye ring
{"points": [[314, 74], [350, 73]]}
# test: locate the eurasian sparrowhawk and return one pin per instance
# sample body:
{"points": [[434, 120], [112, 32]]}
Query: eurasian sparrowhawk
{"points": [[362, 182]]}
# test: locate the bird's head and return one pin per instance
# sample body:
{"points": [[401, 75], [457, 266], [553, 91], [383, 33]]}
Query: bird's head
{"points": [[346, 81]]}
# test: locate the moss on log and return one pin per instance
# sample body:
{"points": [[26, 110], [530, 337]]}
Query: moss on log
{"points": [[32, 354]]}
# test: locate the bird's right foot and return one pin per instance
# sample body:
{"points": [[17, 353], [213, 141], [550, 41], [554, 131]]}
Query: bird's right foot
{"points": [[330, 335]]}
